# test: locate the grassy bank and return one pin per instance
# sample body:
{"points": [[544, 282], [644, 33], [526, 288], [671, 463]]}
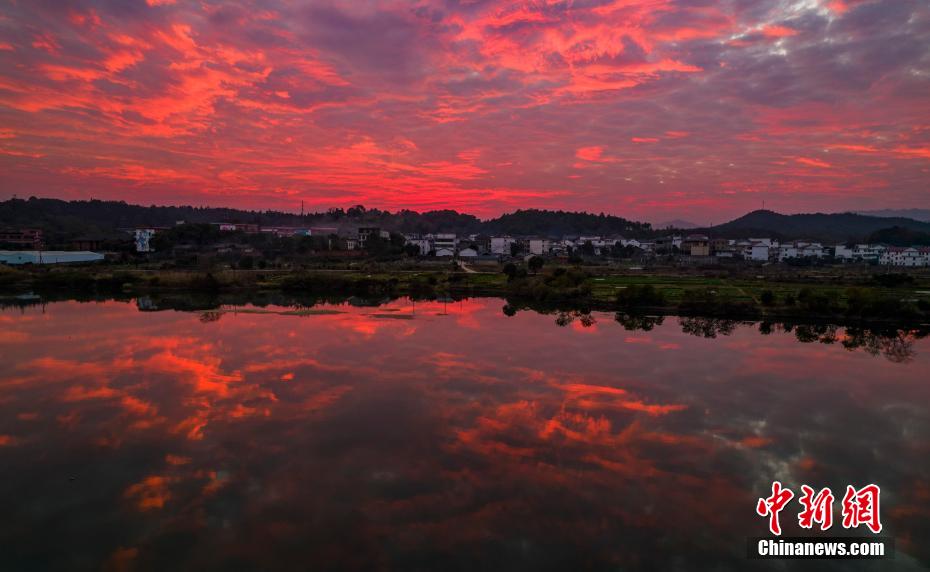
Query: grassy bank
{"points": [[859, 296]]}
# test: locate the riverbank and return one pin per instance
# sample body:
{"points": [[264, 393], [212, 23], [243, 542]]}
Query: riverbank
{"points": [[875, 297]]}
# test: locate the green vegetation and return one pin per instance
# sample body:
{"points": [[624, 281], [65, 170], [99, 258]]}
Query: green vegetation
{"points": [[557, 285], [638, 296], [804, 293], [826, 227], [900, 236], [557, 223]]}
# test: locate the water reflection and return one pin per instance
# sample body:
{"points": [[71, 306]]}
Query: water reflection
{"points": [[438, 435]]}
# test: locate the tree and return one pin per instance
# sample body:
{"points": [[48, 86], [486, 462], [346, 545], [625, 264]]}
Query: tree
{"points": [[767, 297], [536, 263], [246, 263], [510, 269]]}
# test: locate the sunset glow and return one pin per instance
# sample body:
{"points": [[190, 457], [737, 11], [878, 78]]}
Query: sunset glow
{"points": [[650, 109]]}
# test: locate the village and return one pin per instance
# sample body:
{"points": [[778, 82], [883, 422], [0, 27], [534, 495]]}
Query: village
{"points": [[26, 246]]}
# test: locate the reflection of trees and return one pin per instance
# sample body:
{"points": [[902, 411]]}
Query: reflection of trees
{"points": [[210, 316], [564, 318], [707, 327], [587, 320], [825, 334], [897, 346], [634, 322]]}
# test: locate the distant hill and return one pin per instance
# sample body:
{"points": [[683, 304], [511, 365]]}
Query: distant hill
{"points": [[65, 220], [922, 215], [677, 223], [560, 223], [839, 227], [897, 236]]}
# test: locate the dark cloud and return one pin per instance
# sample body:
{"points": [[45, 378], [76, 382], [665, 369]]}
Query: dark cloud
{"points": [[724, 92]]}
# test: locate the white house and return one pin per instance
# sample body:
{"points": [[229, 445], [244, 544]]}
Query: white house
{"points": [[501, 244], [423, 243], [468, 252], [758, 251], [143, 239], [864, 252], [905, 256], [540, 246], [801, 249], [444, 241]]}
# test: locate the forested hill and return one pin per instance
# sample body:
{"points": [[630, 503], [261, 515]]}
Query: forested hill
{"points": [[839, 227], [69, 219], [560, 223], [72, 218]]}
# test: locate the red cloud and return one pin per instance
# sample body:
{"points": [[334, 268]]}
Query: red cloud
{"points": [[164, 105]]}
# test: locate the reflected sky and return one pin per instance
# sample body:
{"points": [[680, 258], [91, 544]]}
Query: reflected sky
{"points": [[437, 436]]}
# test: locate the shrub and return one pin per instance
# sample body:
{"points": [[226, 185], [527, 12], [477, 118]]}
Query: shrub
{"points": [[640, 296], [767, 298]]}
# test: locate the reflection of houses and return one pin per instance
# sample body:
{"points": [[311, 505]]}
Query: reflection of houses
{"points": [[17, 257]]}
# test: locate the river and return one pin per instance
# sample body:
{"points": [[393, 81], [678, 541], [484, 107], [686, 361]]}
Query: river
{"points": [[442, 436]]}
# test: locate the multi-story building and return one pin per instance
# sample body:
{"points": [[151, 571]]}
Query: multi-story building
{"points": [[143, 239], [501, 244], [24, 237], [696, 245], [905, 256], [424, 243], [801, 249], [247, 227], [444, 241], [859, 252], [539, 246]]}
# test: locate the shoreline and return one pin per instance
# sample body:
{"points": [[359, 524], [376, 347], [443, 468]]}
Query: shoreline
{"points": [[561, 288]]}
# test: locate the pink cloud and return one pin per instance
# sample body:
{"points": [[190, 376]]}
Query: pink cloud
{"points": [[386, 105]]}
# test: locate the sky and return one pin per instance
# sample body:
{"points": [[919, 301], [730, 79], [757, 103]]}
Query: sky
{"points": [[650, 109]]}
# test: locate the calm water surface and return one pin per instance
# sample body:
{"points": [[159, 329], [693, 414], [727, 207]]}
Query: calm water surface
{"points": [[439, 437]]}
